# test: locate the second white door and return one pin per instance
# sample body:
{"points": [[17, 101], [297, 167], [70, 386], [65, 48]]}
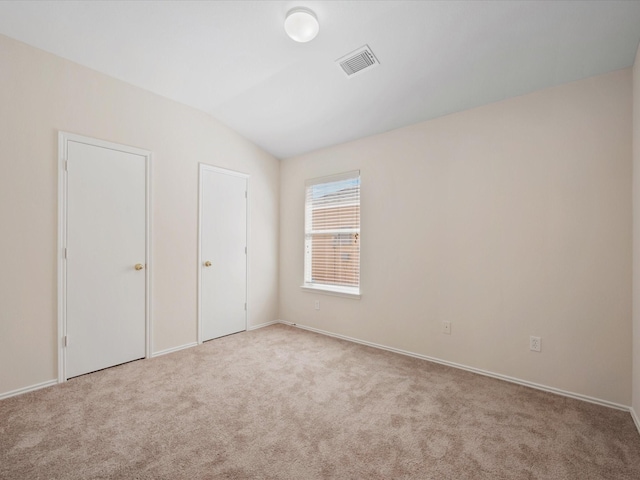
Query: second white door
{"points": [[223, 252]]}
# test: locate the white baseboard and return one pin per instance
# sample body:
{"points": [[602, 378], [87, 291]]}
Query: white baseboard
{"points": [[486, 373], [262, 325], [49, 383], [30, 388], [636, 420], [174, 349]]}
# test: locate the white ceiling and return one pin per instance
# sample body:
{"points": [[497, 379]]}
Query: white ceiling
{"points": [[233, 60]]}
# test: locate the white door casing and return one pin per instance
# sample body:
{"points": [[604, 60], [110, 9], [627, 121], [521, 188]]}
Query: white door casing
{"points": [[223, 252], [103, 300]]}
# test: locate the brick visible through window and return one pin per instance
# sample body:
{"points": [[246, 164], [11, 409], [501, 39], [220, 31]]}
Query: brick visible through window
{"points": [[332, 231]]}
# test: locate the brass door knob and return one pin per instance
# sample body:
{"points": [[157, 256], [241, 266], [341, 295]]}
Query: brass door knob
{"points": [[207, 263], [139, 266]]}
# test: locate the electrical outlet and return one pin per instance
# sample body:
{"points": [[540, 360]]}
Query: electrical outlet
{"points": [[446, 328], [535, 344], [316, 304]]}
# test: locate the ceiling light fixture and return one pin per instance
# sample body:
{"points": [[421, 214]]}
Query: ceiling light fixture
{"points": [[301, 24]]}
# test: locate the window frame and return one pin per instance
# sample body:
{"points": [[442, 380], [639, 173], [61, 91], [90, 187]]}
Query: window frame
{"points": [[343, 290]]}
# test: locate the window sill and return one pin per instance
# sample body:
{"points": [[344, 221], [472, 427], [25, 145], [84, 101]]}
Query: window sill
{"points": [[336, 291]]}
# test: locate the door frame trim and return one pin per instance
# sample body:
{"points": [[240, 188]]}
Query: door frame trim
{"points": [[63, 139], [211, 168]]}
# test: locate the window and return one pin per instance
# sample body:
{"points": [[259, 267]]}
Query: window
{"points": [[332, 234]]}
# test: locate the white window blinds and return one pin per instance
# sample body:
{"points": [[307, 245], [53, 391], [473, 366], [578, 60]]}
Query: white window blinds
{"points": [[332, 232]]}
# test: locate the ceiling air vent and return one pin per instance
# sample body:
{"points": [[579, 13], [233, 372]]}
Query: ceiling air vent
{"points": [[358, 61]]}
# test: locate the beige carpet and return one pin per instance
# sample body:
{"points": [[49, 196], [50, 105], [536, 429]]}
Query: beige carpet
{"points": [[285, 403]]}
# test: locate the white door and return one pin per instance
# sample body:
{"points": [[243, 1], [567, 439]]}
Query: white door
{"points": [[223, 252], [106, 255]]}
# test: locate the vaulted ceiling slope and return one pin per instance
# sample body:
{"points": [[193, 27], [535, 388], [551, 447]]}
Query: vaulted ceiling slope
{"points": [[233, 60]]}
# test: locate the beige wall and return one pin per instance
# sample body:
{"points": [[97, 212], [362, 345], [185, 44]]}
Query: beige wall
{"points": [[636, 234], [509, 220], [41, 94]]}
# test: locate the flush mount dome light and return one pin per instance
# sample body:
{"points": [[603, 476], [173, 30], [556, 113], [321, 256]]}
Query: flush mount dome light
{"points": [[301, 24]]}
